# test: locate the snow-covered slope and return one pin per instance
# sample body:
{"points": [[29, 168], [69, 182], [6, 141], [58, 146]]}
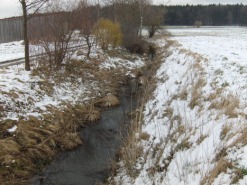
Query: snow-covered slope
{"points": [[195, 124]]}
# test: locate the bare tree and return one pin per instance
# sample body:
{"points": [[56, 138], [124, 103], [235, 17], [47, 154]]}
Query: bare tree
{"points": [[154, 19], [130, 15], [86, 20], [29, 8], [143, 6], [59, 28]]}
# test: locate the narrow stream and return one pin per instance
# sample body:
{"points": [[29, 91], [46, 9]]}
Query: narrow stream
{"points": [[90, 163]]}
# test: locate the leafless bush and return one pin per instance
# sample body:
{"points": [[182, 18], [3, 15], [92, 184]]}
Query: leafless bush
{"points": [[86, 19], [55, 32]]}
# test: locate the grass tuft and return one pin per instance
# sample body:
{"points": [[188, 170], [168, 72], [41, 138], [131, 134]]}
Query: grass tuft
{"points": [[108, 101]]}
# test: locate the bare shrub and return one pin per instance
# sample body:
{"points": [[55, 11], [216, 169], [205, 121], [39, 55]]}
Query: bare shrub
{"points": [[56, 41], [108, 33], [154, 22], [139, 47], [85, 23]]}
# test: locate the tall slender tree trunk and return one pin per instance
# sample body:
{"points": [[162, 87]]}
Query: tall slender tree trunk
{"points": [[26, 40]]}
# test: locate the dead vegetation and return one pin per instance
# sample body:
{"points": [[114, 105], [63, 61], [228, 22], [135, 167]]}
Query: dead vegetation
{"points": [[108, 101], [241, 139], [91, 114], [131, 151], [224, 165], [221, 167], [37, 141], [227, 104], [196, 93]]}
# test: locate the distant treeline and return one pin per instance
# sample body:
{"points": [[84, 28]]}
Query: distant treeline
{"points": [[212, 15]]}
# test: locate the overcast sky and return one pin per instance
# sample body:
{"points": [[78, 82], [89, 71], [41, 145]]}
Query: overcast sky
{"points": [[9, 8]]}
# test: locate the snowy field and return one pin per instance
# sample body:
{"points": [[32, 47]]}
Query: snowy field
{"points": [[195, 124], [15, 50], [215, 43]]}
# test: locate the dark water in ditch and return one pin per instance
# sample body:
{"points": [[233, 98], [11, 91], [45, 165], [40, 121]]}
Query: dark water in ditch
{"points": [[90, 163]]}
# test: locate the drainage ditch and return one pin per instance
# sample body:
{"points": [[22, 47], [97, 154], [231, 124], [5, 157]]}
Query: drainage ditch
{"points": [[90, 163]]}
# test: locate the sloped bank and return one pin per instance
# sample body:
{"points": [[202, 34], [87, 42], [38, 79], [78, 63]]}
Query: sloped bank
{"points": [[186, 131], [36, 142]]}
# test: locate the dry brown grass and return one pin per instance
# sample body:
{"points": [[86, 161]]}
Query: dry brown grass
{"points": [[241, 139], [26, 135], [91, 114], [225, 130], [69, 141], [4, 126], [201, 139], [196, 93], [228, 104], [221, 167], [108, 101], [183, 94], [9, 146], [131, 151], [212, 96], [168, 112], [36, 143], [144, 136], [185, 144]]}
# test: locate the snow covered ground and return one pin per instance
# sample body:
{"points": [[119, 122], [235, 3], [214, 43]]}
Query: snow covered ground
{"points": [[195, 124], [42, 110], [15, 50], [24, 94]]}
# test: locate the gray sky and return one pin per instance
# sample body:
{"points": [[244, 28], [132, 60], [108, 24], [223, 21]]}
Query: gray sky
{"points": [[9, 8]]}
